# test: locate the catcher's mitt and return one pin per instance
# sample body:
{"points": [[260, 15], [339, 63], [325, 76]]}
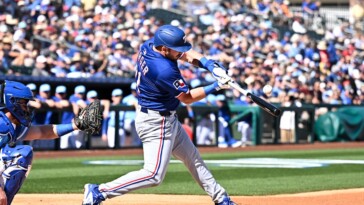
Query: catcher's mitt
{"points": [[89, 118]]}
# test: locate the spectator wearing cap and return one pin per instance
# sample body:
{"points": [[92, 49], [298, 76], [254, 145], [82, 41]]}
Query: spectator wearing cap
{"points": [[40, 67], [111, 134], [129, 121], [76, 69], [61, 103], [32, 88], [42, 117], [52, 15], [123, 60], [91, 96], [41, 22], [286, 38], [77, 99], [60, 68], [60, 97], [20, 32], [7, 54], [79, 42], [113, 68], [115, 38]]}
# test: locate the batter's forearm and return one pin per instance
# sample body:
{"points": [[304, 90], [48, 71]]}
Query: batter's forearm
{"points": [[195, 95], [193, 57]]}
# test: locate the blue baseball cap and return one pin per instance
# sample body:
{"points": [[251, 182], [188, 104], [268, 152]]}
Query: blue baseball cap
{"points": [[91, 94], [80, 89], [32, 86], [45, 88], [171, 37], [133, 86], [117, 92], [61, 89]]}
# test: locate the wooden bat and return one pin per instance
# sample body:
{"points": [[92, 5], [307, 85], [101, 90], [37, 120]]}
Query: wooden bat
{"points": [[270, 108]]}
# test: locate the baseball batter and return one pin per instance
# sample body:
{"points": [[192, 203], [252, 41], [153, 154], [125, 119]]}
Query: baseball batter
{"points": [[160, 89]]}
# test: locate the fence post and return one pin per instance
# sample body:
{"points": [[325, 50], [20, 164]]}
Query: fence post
{"points": [[117, 127]]}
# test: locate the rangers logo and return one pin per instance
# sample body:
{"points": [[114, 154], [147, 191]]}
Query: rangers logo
{"points": [[179, 84]]}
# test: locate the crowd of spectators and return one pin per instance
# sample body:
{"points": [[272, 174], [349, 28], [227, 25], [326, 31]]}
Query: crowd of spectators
{"points": [[99, 38]]}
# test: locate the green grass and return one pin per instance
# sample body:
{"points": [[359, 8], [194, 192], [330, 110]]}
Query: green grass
{"points": [[68, 175]]}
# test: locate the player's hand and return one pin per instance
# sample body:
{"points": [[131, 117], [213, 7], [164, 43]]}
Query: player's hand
{"points": [[217, 70], [223, 86], [220, 74], [220, 86]]}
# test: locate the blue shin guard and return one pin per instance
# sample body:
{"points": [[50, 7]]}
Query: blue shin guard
{"points": [[17, 160]]}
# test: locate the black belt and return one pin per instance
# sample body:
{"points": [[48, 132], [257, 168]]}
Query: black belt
{"points": [[162, 113]]}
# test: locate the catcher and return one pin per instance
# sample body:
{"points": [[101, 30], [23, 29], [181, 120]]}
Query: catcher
{"points": [[15, 125]]}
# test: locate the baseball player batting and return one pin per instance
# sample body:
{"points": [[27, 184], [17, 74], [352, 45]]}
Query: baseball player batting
{"points": [[160, 89], [15, 125]]}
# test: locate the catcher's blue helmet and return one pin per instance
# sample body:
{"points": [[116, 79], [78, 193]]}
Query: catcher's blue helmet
{"points": [[11, 95], [171, 37]]}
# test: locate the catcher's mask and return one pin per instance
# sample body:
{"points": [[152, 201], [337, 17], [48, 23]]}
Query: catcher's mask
{"points": [[14, 97]]}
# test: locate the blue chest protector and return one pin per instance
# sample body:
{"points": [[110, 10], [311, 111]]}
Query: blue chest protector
{"points": [[15, 159], [9, 135]]}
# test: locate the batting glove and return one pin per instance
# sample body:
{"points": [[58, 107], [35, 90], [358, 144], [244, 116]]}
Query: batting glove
{"points": [[221, 75], [217, 70]]}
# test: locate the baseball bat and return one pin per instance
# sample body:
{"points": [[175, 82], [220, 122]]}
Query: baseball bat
{"points": [[270, 108]]}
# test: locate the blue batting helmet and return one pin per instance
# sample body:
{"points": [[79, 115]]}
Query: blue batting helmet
{"points": [[171, 37], [12, 93]]}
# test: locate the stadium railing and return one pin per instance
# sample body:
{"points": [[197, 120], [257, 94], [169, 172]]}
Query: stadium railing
{"points": [[265, 128]]}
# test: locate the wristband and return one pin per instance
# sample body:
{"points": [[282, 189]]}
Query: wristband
{"points": [[206, 63], [203, 62], [211, 88], [63, 129]]}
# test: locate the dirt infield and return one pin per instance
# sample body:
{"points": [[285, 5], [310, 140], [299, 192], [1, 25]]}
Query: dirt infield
{"points": [[337, 197], [343, 197]]}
